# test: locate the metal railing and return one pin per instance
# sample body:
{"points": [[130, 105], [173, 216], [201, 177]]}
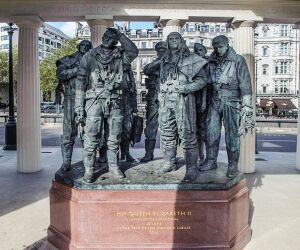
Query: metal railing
{"points": [[57, 118]]}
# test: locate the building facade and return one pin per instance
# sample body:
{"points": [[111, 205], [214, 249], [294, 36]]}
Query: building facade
{"points": [[49, 39], [276, 57], [277, 68]]}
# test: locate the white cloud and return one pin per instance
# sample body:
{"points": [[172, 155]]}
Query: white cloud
{"points": [[69, 28]]}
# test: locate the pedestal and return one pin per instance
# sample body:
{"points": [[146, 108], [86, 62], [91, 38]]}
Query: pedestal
{"points": [[138, 215]]}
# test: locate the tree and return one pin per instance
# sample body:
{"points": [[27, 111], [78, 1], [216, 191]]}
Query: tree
{"points": [[4, 65], [4, 73], [48, 66]]}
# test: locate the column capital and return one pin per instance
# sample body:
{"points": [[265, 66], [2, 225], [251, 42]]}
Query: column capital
{"points": [[172, 22], [28, 21], [102, 22], [235, 24]]}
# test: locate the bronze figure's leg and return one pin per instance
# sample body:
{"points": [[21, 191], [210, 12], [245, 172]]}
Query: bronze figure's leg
{"points": [[169, 138], [214, 124], [231, 124], [151, 129], [115, 120]]}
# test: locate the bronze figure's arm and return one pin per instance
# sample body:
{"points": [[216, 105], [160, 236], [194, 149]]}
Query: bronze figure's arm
{"points": [[199, 82], [63, 72], [130, 51], [152, 67], [81, 86]]}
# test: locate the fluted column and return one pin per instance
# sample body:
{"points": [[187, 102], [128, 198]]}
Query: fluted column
{"points": [[297, 27], [28, 96], [244, 45], [97, 28], [173, 25]]}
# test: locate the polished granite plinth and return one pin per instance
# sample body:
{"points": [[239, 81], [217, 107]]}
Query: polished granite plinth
{"points": [[147, 211]]}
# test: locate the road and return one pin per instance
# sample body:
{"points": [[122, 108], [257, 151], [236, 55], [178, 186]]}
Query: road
{"points": [[275, 142]]}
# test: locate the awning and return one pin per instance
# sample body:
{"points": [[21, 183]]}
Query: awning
{"points": [[284, 104], [277, 103], [266, 103]]}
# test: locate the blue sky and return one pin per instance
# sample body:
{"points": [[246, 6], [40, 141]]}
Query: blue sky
{"points": [[69, 27]]}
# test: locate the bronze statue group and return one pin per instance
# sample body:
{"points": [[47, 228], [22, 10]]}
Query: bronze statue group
{"points": [[189, 96]]}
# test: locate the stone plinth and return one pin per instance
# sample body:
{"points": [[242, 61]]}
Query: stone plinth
{"points": [[139, 215]]}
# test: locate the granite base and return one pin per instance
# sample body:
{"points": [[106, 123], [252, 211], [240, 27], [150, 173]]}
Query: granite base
{"points": [[149, 216]]}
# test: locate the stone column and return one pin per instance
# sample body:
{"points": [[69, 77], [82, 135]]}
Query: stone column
{"points": [[28, 96], [173, 25], [98, 27], [297, 27], [244, 45]]}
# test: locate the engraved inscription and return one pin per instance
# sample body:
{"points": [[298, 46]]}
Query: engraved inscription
{"points": [[154, 221]]}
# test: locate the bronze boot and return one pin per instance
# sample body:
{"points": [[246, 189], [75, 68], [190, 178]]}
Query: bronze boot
{"points": [[169, 161], [191, 158], [113, 167], [149, 146]]}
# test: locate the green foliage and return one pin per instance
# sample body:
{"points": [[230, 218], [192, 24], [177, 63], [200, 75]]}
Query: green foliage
{"points": [[48, 67], [4, 66]]}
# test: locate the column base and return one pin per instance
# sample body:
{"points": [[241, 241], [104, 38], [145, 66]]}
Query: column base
{"points": [[10, 135]]}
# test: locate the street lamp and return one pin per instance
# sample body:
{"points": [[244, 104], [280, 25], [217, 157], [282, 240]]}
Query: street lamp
{"points": [[256, 61], [10, 126]]}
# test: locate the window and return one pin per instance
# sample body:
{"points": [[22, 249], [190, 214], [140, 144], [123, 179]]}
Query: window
{"points": [[283, 30], [265, 69], [144, 34], [41, 47], [47, 49], [4, 46], [265, 51], [264, 89], [155, 33], [282, 67], [282, 87], [283, 48], [143, 96], [265, 30], [3, 28], [211, 29], [223, 29], [191, 28], [217, 28], [143, 78], [132, 33], [204, 28], [5, 37], [143, 45], [58, 45], [47, 41]]}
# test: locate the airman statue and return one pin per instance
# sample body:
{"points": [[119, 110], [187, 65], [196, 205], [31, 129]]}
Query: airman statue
{"points": [[67, 69], [152, 85], [99, 99], [181, 75], [231, 103], [129, 109], [201, 106]]}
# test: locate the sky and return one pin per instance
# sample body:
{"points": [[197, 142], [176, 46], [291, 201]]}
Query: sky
{"points": [[69, 27]]}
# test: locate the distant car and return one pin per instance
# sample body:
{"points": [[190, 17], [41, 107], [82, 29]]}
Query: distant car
{"points": [[48, 107], [3, 105]]}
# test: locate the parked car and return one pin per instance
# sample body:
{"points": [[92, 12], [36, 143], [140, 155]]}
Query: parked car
{"points": [[48, 107], [3, 105]]}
